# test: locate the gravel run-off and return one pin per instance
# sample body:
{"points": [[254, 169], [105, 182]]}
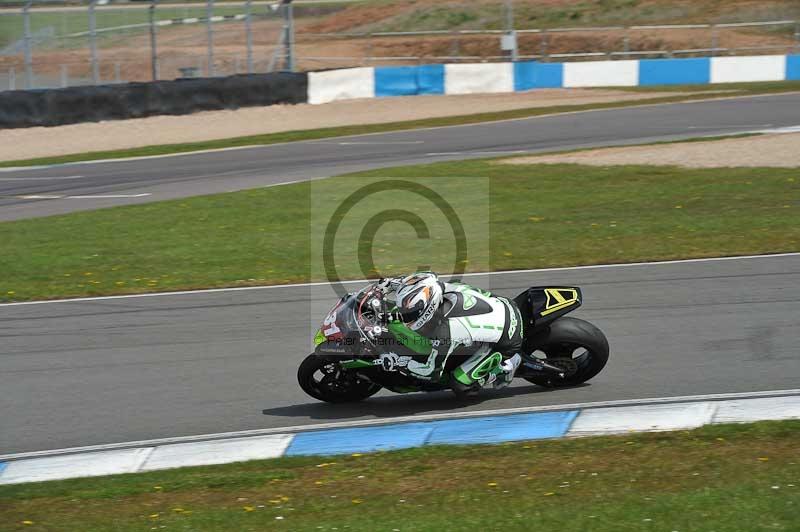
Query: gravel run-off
{"points": [[770, 150]]}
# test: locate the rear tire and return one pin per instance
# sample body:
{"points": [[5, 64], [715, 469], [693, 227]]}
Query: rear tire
{"points": [[566, 337], [327, 381]]}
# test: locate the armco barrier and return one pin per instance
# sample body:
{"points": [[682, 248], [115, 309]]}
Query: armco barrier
{"points": [[136, 100], [530, 75], [346, 84], [741, 69], [694, 71], [601, 74], [409, 80], [793, 67], [478, 78]]}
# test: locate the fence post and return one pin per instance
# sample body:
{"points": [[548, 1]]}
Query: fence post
{"points": [[93, 42], [210, 37], [797, 36], [288, 24], [510, 31], [368, 57], [151, 12], [544, 44], [12, 79], [26, 21], [248, 31], [626, 43], [714, 42], [64, 75]]}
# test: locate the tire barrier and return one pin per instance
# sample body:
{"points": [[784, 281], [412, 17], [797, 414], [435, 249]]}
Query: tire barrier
{"points": [[54, 107]]}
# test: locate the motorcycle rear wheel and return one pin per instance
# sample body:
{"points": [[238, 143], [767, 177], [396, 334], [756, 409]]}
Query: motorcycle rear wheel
{"points": [[327, 381], [578, 340]]}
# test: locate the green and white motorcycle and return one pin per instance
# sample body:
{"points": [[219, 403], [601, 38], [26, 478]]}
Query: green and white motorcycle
{"points": [[362, 348]]}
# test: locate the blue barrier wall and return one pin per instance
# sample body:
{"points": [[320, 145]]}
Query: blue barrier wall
{"points": [[532, 75], [674, 71], [409, 80], [793, 67]]}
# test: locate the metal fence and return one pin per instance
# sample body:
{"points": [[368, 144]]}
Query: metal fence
{"points": [[46, 44]]}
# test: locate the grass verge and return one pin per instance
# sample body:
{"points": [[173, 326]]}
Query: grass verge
{"points": [[515, 217], [723, 477], [701, 92]]}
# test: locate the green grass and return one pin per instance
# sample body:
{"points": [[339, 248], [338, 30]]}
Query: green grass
{"points": [[703, 92], [49, 28], [718, 478], [59, 24], [490, 15], [514, 216]]}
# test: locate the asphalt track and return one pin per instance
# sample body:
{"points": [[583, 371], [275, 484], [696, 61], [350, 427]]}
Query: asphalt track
{"points": [[113, 370], [161, 178]]}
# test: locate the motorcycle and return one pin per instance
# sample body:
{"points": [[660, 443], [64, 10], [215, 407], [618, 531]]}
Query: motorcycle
{"points": [[362, 348]]}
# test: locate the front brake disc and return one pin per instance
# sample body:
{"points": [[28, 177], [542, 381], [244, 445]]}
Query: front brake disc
{"points": [[567, 365]]}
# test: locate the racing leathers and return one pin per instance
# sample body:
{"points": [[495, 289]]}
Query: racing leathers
{"points": [[475, 339]]}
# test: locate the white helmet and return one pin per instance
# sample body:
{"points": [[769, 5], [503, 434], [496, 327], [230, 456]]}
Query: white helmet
{"points": [[418, 298]]}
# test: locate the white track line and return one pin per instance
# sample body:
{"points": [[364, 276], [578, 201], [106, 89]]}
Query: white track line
{"points": [[88, 196], [476, 274], [403, 419], [54, 178]]}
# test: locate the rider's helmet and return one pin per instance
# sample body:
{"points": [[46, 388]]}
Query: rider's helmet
{"points": [[418, 298]]}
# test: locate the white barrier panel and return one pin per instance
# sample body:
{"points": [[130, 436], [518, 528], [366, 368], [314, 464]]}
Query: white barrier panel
{"points": [[753, 68], [344, 84], [602, 74], [478, 78]]}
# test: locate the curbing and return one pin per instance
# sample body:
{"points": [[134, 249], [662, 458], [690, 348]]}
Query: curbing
{"points": [[588, 419]]}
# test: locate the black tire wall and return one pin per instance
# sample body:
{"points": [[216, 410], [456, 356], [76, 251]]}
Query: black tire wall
{"points": [[72, 105]]}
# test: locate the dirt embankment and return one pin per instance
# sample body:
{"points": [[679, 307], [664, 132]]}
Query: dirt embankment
{"points": [[128, 57], [773, 150]]}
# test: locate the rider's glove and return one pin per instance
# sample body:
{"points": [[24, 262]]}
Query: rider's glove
{"points": [[387, 284]]}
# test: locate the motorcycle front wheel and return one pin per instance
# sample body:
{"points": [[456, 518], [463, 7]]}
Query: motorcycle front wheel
{"points": [[327, 381]]}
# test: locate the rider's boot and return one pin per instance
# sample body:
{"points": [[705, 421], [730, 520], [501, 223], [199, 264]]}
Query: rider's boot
{"points": [[506, 372]]}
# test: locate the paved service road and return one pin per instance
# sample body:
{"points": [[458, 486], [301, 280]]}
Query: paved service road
{"points": [[205, 173], [113, 370]]}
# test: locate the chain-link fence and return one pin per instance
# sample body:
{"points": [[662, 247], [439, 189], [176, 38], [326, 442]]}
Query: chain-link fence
{"points": [[42, 45], [51, 44]]}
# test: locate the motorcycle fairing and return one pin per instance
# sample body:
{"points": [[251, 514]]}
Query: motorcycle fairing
{"points": [[541, 305]]}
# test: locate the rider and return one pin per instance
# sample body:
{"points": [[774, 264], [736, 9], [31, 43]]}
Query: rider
{"points": [[459, 320]]}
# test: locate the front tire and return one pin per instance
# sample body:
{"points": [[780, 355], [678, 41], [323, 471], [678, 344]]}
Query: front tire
{"points": [[325, 380], [578, 340]]}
